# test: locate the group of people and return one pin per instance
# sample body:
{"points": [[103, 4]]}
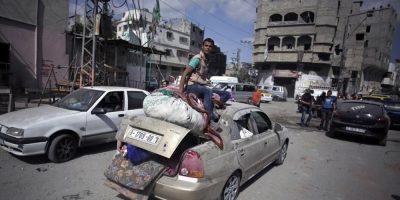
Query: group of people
{"points": [[325, 102]]}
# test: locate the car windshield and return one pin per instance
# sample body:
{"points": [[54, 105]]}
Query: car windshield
{"points": [[393, 106], [80, 100], [362, 108]]}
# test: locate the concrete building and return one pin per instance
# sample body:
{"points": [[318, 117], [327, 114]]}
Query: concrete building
{"points": [[32, 37], [329, 43], [178, 38], [391, 81]]}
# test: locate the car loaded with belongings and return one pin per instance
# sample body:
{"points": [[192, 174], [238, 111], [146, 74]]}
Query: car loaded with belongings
{"points": [[172, 153]]}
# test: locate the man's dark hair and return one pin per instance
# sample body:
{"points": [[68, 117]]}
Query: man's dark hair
{"points": [[208, 40]]}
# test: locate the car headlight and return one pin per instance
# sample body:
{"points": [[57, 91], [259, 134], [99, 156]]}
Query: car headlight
{"points": [[15, 131]]}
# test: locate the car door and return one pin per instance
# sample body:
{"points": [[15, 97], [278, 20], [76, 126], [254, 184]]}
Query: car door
{"points": [[247, 148], [269, 139], [102, 127], [135, 103]]}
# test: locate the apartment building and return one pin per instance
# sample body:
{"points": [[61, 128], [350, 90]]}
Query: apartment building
{"points": [[329, 43], [178, 38]]}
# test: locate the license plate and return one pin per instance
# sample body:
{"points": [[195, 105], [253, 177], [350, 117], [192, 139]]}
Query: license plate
{"points": [[359, 130], [144, 136]]}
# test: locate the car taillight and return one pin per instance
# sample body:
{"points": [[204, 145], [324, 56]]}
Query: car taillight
{"points": [[192, 165], [382, 120]]}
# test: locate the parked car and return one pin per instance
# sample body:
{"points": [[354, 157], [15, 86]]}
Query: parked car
{"points": [[393, 110], [266, 96], [87, 116], [197, 167], [279, 93], [362, 118], [241, 92]]}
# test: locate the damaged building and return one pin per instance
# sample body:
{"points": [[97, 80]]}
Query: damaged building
{"points": [[328, 43]]}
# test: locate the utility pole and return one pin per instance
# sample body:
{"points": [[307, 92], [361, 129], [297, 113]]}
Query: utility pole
{"points": [[92, 70], [238, 59]]}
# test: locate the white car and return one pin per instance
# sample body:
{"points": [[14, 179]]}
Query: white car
{"points": [[90, 115]]}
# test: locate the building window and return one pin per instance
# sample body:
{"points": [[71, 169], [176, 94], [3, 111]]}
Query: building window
{"points": [[290, 17], [366, 43], [183, 40], [288, 42], [360, 36], [307, 17], [201, 32], [275, 18], [307, 47], [168, 52], [272, 43], [194, 29], [324, 56], [368, 29], [270, 47], [125, 27], [119, 28], [192, 43], [354, 74], [169, 35]]}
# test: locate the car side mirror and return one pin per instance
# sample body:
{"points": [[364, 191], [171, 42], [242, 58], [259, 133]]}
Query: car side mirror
{"points": [[277, 127], [98, 111]]}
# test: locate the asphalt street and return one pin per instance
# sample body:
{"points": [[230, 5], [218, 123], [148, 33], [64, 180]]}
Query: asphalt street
{"points": [[317, 167]]}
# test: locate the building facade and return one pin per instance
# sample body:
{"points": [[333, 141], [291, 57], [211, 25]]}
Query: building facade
{"points": [[299, 44], [32, 39]]}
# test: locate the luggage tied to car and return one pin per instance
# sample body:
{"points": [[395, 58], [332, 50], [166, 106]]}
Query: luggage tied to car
{"points": [[135, 181], [164, 105], [182, 109]]}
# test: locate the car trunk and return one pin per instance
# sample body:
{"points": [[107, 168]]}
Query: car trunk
{"points": [[359, 113], [166, 142]]}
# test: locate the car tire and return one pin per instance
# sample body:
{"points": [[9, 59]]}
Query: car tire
{"points": [[250, 101], [382, 142], [231, 187], [62, 148], [282, 154]]}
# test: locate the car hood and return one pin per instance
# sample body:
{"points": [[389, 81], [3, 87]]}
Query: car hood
{"points": [[26, 117]]}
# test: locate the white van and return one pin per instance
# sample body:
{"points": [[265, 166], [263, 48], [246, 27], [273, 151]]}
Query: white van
{"points": [[279, 93], [223, 79], [241, 92]]}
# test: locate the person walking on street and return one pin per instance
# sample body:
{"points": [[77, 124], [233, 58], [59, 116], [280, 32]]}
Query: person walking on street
{"points": [[328, 106], [256, 97], [194, 77], [306, 101]]}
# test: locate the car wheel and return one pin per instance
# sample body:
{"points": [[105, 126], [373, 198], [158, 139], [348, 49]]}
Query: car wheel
{"points": [[62, 148], [282, 155], [382, 142], [231, 188], [250, 101]]}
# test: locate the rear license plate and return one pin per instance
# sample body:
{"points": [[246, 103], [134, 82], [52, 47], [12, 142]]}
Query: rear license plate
{"points": [[144, 136], [358, 130]]}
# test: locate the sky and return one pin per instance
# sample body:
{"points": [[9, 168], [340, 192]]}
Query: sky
{"points": [[229, 22]]}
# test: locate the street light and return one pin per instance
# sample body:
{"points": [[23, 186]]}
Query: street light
{"points": [[344, 49]]}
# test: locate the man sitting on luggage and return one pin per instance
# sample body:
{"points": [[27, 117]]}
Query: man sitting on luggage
{"points": [[197, 81]]}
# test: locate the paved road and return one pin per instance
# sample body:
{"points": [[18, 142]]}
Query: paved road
{"points": [[317, 167]]}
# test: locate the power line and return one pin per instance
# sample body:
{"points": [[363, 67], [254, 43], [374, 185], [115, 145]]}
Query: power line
{"points": [[224, 36], [219, 18], [252, 5]]}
